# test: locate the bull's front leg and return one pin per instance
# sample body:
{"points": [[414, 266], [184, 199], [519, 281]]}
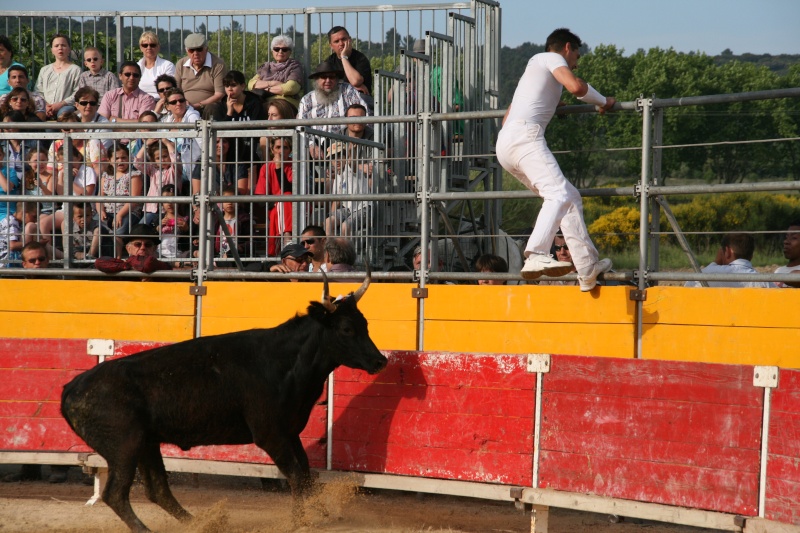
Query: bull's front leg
{"points": [[289, 456]]}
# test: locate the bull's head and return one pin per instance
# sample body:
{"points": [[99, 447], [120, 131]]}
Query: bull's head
{"points": [[346, 330]]}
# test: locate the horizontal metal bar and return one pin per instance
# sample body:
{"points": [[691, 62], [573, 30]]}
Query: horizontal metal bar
{"points": [[761, 186]]}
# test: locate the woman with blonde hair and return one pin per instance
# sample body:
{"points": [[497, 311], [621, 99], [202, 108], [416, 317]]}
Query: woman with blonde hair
{"points": [[152, 64]]}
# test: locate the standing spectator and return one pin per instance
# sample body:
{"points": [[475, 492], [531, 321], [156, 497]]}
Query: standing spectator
{"points": [[152, 65], [164, 83], [6, 60], [92, 150], [136, 145], [227, 172], [491, 263], [733, 257], [313, 239], [97, 77], [126, 103], [58, 81], [276, 179], [172, 224], [238, 226], [17, 150], [791, 251], [329, 99], [84, 182], [276, 110], [45, 184], [523, 151], [200, 75], [18, 79], [282, 78], [356, 66]]}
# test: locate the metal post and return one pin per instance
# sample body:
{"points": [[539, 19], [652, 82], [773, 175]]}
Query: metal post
{"points": [[120, 48], [657, 179], [645, 104], [203, 250], [423, 190], [766, 377]]}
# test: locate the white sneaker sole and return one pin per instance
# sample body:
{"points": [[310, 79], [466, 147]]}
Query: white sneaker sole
{"points": [[553, 272]]}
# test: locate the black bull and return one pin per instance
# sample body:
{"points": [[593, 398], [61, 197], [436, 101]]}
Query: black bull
{"points": [[257, 386]]}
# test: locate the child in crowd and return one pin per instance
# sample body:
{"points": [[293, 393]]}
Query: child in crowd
{"points": [[162, 170], [11, 232], [137, 146], [172, 225], [120, 179], [97, 77], [9, 184], [85, 234], [238, 226]]}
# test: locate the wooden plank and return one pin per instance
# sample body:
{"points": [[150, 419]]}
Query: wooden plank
{"points": [[759, 525], [703, 424], [783, 462], [41, 434], [133, 327], [23, 384], [523, 304], [701, 488], [666, 380], [599, 339], [784, 434], [29, 409], [44, 353], [740, 345], [782, 501]]}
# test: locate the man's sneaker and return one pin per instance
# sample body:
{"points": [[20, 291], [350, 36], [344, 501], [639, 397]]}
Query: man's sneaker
{"points": [[589, 282], [537, 265]]}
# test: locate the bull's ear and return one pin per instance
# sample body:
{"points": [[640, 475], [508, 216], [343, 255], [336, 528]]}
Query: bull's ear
{"points": [[319, 312]]}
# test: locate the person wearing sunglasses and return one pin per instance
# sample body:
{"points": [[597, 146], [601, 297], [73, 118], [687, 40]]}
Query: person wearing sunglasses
{"points": [[281, 78], [19, 100], [329, 99], [187, 149], [561, 252], [87, 100], [200, 75], [96, 76], [313, 239], [18, 79], [152, 65], [129, 101]]}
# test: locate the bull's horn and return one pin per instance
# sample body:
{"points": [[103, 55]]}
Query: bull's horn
{"points": [[326, 300], [363, 288]]}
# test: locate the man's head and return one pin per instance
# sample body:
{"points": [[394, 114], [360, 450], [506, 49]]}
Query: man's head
{"points": [[295, 257], [196, 49], [560, 249], [564, 42], [356, 110], [129, 74], [18, 76], [791, 244], [313, 239], [338, 37], [34, 255], [735, 246], [93, 59], [142, 241], [326, 82], [491, 263], [234, 84], [340, 251]]}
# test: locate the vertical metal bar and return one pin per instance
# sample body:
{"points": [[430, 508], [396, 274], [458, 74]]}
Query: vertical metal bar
{"points": [[423, 160], [762, 482], [329, 439], [645, 105], [202, 198], [537, 431], [657, 179], [120, 47]]}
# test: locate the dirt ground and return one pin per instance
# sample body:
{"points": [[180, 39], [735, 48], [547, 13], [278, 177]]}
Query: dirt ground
{"points": [[223, 504]]}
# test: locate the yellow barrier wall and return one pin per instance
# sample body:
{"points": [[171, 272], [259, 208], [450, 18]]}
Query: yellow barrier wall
{"points": [[742, 326]]}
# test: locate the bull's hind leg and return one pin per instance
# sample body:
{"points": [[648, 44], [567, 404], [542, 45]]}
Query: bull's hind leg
{"points": [[151, 466]]}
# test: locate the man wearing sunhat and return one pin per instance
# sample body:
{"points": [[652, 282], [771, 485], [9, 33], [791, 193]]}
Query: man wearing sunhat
{"points": [[141, 246], [200, 74], [330, 98]]}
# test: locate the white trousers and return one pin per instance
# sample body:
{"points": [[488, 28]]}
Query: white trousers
{"points": [[523, 151]]}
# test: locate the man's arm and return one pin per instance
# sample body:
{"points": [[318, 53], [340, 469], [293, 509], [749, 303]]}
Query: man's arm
{"points": [[583, 90]]}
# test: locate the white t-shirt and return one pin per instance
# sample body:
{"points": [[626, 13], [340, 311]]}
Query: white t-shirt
{"points": [[147, 83], [86, 176], [538, 92], [786, 270], [737, 266]]}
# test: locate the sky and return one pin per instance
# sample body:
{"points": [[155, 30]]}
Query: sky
{"points": [[710, 26]]}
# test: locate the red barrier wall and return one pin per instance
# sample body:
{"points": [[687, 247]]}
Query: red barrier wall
{"points": [[783, 462]]}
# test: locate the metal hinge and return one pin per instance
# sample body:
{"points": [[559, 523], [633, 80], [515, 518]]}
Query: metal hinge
{"points": [[538, 363], [419, 292], [638, 296], [765, 376], [198, 290]]}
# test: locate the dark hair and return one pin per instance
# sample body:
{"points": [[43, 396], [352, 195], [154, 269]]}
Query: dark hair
{"points": [[316, 231], [19, 67], [166, 78], [5, 108], [173, 90], [557, 40], [285, 109], [86, 91], [15, 116], [35, 246], [230, 189], [69, 116], [491, 263], [742, 244], [337, 29], [168, 188], [5, 42], [233, 76], [131, 64], [148, 113], [62, 36], [356, 106]]}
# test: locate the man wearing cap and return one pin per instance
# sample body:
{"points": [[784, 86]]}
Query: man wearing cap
{"points": [[126, 103], [141, 246], [330, 98], [200, 75], [294, 258]]}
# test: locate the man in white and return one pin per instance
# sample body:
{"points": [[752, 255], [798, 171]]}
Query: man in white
{"points": [[523, 151], [791, 251], [733, 257]]}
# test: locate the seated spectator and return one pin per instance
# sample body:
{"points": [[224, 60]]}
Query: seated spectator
{"points": [[294, 258], [19, 100], [120, 179], [187, 149], [18, 79], [240, 105], [200, 74], [58, 81], [164, 83], [12, 231], [329, 99], [140, 246], [92, 150], [126, 103], [227, 172], [275, 179], [356, 66], [237, 222], [17, 150], [87, 100], [733, 257], [561, 252], [172, 225], [791, 251], [97, 77], [350, 216], [313, 239], [135, 146], [161, 170], [340, 256], [282, 78], [84, 234], [6, 61], [84, 182], [491, 263], [358, 131], [45, 182], [276, 110], [151, 65], [416, 259], [35, 255], [9, 184]]}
